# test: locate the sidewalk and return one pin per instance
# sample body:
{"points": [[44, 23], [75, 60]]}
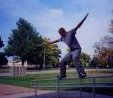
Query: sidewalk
{"points": [[25, 95], [8, 91]]}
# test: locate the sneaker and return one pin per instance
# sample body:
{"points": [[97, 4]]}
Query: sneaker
{"points": [[61, 77], [82, 74]]}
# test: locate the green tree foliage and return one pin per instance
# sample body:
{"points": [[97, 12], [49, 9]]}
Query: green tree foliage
{"points": [[3, 59], [52, 54], [94, 62], [85, 58], [23, 41], [1, 43]]}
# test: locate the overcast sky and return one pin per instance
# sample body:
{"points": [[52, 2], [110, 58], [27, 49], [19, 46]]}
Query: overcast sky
{"points": [[47, 16]]}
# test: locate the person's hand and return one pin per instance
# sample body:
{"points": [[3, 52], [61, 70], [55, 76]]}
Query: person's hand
{"points": [[87, 14], [49, 42]]}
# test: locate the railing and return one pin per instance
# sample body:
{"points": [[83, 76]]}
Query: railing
{"points": [[60, 84]]}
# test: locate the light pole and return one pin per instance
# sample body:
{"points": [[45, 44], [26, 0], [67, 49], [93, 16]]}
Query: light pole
{"points": [[44, 59]]}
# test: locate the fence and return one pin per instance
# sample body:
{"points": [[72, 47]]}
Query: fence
{"points": [[17, 70], [82, 83]]}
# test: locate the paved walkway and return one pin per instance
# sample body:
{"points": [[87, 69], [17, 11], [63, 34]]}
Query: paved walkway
{"points": [[8, 91]]}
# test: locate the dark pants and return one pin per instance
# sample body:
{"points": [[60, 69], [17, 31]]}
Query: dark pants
{"points": [[75, 55]]}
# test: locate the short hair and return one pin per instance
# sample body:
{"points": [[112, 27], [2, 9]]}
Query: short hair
{"points": [[61, 30]]}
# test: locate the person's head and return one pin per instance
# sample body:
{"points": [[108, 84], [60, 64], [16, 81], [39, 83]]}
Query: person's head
{"points": [[62, 31]]}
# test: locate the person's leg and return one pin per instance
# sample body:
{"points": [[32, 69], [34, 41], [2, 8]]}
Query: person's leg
{"points": [[63, 64], [77, 63]]}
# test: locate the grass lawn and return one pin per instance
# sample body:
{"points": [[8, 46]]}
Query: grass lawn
{"points": [[25, 81]]}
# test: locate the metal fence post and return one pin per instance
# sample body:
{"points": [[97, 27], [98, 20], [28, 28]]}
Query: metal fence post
{"points": [[80, 87], [34, 85], [58, 86], [93, 87]]}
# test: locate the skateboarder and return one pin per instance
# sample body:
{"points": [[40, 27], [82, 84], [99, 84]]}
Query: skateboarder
{"points": [[75, 50]]}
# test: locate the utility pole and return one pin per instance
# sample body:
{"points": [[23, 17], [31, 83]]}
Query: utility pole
{"points": [[44, 59]]}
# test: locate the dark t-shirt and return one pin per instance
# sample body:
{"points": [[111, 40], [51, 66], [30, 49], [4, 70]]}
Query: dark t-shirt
{"points": [[71, 40]]}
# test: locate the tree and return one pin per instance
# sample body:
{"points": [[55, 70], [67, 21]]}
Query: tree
{"points": [[104, 49], [111, 26], [3, 59], [104, 54], [23, 41], [94, 62], [85, 58], [1, 43], [52, 53], [111, 31]]}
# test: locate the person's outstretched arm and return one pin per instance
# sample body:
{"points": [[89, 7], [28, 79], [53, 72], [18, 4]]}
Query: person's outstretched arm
{"points": [[79, 25], [52, 42]]}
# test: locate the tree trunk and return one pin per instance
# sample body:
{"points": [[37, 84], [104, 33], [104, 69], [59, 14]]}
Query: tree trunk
{"points": [[22, 61]]}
